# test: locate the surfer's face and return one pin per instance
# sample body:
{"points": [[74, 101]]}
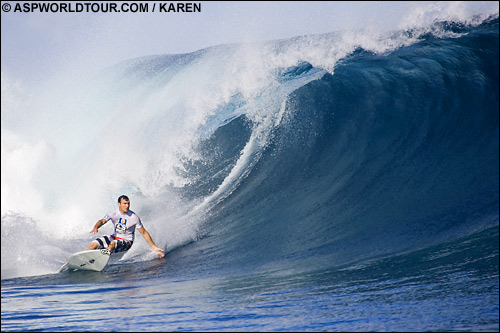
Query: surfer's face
{"points": [[123, 205]]}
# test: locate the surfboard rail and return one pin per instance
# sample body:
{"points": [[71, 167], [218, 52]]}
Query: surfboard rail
{"points": [[88, 260]]}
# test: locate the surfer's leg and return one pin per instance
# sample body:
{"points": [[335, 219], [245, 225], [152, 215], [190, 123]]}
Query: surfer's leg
{"points": [[112, 246], [94, 245], [100, 243], [122, 245]]}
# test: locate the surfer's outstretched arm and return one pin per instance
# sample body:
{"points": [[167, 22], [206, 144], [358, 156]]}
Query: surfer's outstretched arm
{"points": [[148, 239]]}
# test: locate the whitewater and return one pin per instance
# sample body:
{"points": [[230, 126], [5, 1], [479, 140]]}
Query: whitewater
{"points": [[345, 181]]}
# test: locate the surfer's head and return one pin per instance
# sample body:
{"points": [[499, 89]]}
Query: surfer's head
{"points": [[123, 203]]}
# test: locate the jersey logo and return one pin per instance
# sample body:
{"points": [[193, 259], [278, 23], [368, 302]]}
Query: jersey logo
{"points": [[121, 226]]}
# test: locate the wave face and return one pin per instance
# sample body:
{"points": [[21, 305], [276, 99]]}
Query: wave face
{"points": [[317, 151], [391, 153]]}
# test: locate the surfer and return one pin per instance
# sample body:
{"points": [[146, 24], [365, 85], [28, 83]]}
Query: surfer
{"points": [[125, 222]]}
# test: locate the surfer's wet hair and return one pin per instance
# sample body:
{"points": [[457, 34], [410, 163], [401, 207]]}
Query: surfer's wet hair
{"points": [[124, 197]]}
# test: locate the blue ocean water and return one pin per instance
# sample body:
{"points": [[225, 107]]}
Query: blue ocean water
{"points": [[319, 183]]}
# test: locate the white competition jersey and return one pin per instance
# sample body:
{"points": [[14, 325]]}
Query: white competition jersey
{"points": [[124, 223]]}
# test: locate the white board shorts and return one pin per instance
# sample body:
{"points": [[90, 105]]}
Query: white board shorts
{"points": [[121, 244]]}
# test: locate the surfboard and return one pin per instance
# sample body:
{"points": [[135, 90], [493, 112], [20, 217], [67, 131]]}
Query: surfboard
{"points": [[89, 260]]}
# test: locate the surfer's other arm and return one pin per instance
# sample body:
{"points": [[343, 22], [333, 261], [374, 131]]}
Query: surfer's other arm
{"points": [[148, 239]]}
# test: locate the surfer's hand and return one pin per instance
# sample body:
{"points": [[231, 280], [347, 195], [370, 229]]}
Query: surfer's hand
{"points": [[159, 252], [94, 231]]}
